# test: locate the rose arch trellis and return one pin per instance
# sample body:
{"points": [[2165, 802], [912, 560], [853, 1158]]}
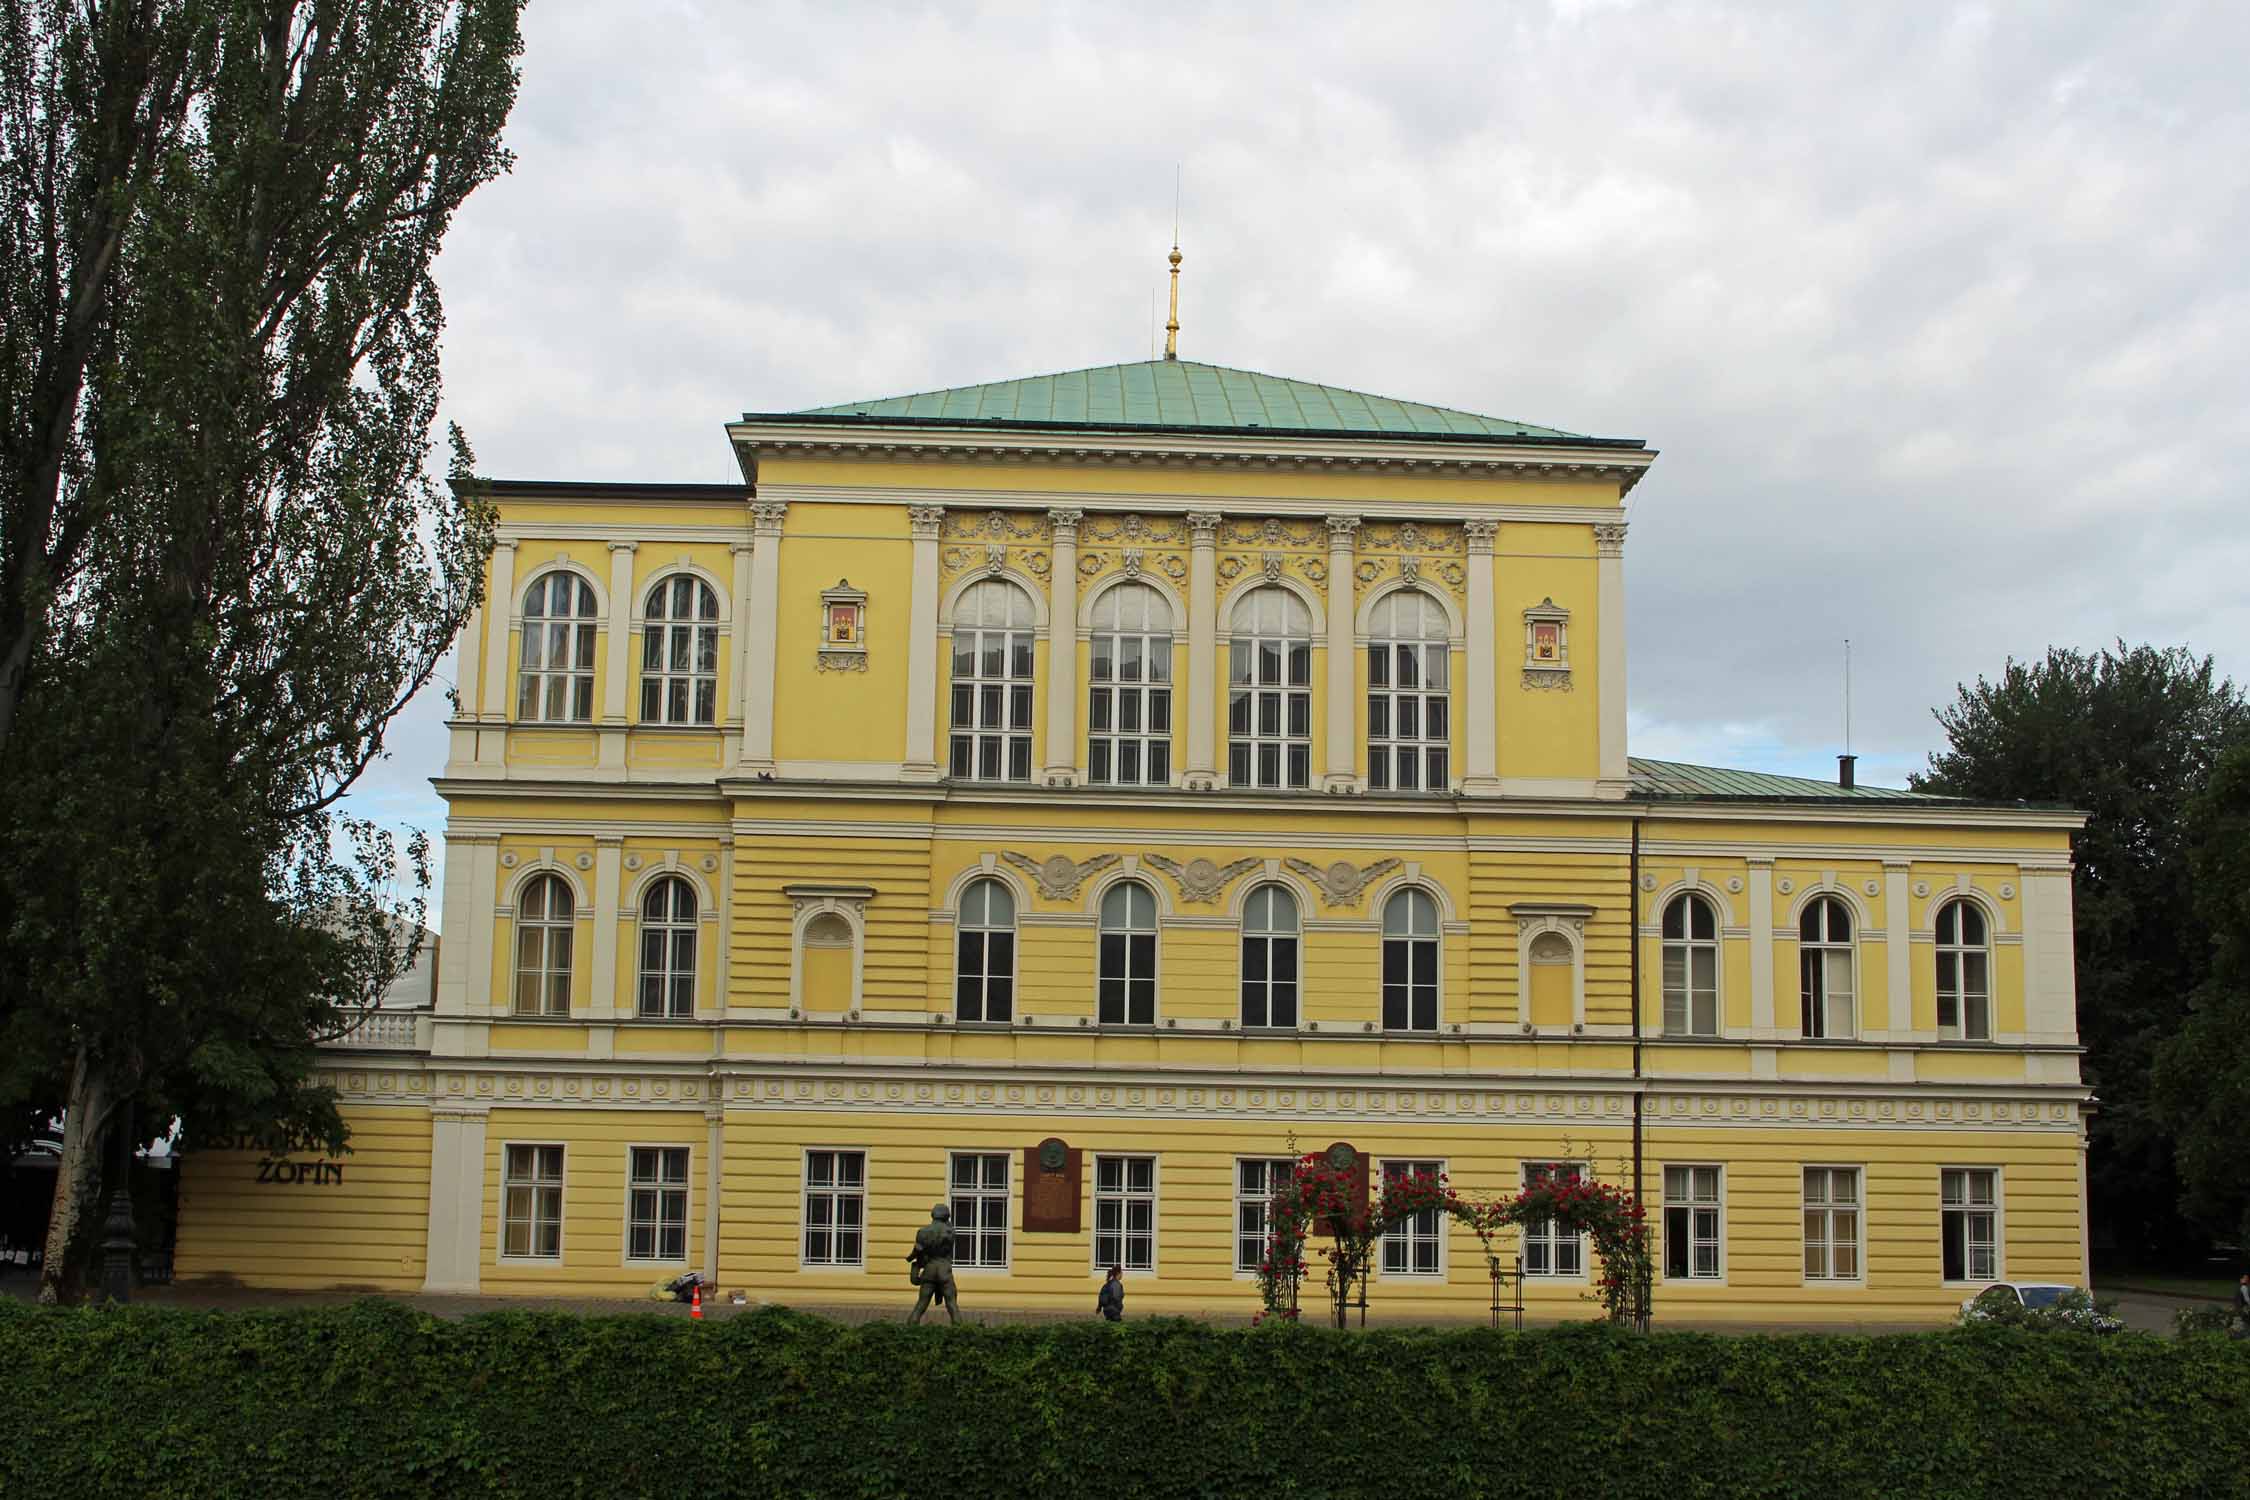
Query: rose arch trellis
{"points": [[1328, 1193]]}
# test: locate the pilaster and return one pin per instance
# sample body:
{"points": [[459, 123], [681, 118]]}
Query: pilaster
{"points": [[499, 607], [739, 640], [618, 659], [456, 1227], [601, 989], [1898, 954], [922, 761], [1062, 652], [759, 650], [1763, 1023], [1609, 621], [484, 884], [1481, 774], [1341, 758], [1203, 651], [457, 905]]}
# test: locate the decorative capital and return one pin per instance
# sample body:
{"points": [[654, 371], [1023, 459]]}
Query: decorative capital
{"points": [[740, 549], [617, 547], [1065, 520], [926, 519], [1481, 535], [765, 515], [1203, 527], [505, 544], [1342, 530], [1609, 538]]}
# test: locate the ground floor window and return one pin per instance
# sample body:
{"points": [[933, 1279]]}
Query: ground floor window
{"points": [[531, 1220], [1255, 1179], [656, 1204], [1691, 1223], [980, 1208], [1415, 1247], [1548, 1249], [1832, 1223], [835, 1208], [1971, 1223], [1125, 1212]]}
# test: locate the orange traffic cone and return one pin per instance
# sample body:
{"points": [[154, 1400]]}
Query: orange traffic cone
{"points": [[695, 1306]]}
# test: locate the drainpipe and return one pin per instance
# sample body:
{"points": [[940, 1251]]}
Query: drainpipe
{"points": [[1633, 946]]}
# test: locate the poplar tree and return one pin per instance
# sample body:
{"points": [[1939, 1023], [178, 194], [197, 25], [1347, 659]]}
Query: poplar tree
{"points": [[225, 565]]}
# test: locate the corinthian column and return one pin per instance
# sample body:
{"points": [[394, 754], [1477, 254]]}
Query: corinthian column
{"points": [[1609, 611], [1062, 652], [1482, 773], [760, 650], [922, 645], [1342, 758], [1203, 649]]}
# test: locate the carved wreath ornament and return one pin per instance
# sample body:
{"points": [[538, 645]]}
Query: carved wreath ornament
{"points": [[1200, 879], [1059, 876], [1343, 882]]}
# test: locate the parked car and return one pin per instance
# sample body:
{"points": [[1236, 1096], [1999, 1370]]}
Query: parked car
{"points": [[2050, 1301]]}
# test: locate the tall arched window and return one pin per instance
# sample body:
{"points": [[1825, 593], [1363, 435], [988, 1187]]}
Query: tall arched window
{"points": [[1269, 691], [668, 949], [984, 954], [1129, 689], [1127, 982], [1691, 967], [992, 631], [1410, 961], [1408, 728], [1964, 973], [544, 916], [556, 684], [1269, 957], [680, 653], [1825, 956]]}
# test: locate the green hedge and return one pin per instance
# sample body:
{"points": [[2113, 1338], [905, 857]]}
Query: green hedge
{"points": [[380, 1400]]}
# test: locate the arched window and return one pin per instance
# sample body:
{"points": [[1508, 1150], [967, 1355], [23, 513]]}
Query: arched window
{"points": [[992, 683], [668, 949], [680, 653], [1129, 702], [1127, 982], [544, 916], [556, 684], [1691, 967], [984, 961], [1410, 962], [1408, 728], [1825, 956], [1964, 974], [1269, 957], [1269, 691]]}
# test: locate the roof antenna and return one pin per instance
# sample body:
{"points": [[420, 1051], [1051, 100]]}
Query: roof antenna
{"points": [[1172, 326], [1152, 322], [1847, 762]]}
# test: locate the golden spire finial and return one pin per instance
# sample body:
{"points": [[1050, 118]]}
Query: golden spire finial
{"points": [[1172, 327]]}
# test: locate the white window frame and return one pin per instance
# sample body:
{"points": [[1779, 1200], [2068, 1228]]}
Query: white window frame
{"points": [[668, 974], [1107, 697], [1261, 1199], [1018, 645], [1960, 951], [1404, 1242], [685, 1188], [537, 1185], [1968, 1210], [698, 633], [1270, 938], [807, 1189], [548, 926], [987, 972], [1693, 1206], [1543, 1231], [1412, 941], [1387, 651], [1124, 1198], [1292, 751], [1155, 934], [1827, 1210], [577, 633], [1817, 971], [1688, 945], [1005, 1194]]}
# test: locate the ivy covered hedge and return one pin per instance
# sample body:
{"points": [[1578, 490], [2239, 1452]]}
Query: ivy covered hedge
{"points": [[380, 1400]]}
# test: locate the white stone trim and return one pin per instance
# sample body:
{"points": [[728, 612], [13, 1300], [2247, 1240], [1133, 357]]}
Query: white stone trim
{"points": [[1202, 772], [1340, 760], [808, 909], [500, 607]]}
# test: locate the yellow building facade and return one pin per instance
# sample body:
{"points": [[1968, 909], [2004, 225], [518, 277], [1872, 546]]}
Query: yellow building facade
{"points": [[1061, 798]]}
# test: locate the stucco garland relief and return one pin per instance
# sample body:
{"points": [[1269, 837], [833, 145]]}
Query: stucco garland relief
{"points": [[1201, 880], [1006, 539], [1423, 571], [1133, 562], [1136, 529], [1059, 877], [1342, 883], [1273, 533]]}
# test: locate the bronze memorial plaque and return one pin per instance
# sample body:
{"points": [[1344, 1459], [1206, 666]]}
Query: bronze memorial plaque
{"points": [[1051, 1172]]}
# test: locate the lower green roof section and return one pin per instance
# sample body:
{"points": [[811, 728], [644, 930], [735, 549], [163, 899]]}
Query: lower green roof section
{"points": [[1673, 778]]}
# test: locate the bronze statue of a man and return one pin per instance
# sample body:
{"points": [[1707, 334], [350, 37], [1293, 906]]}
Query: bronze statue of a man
{"points": [[932, 1263]]}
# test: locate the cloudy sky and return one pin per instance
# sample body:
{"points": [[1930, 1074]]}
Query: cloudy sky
{"points": [[1937, 313]]}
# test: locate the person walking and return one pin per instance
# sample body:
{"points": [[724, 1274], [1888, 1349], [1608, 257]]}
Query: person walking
{"points": [[2242, 1306], [1110, 1303], [932, 1263]]}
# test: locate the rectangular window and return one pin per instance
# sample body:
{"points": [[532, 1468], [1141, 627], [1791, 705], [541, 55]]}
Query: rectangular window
{"points": [[531, 1222], [1970, 1215], [1832, 1224], [1691, 1224], [1125, 1212], [1254, 1182], [1415, 1247], [1547, 1249], [656, 1202], [980, 1209], [835, 1208]]}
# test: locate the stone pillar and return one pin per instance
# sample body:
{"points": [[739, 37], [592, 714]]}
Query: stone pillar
{"points": [[1202, 653], [1609, 620], [456, 1228], [1481, 775], [457, 908], [738, 641], [715, 1135], [1341, 757], [484, 883], [1763, 1025], [601, 991], [923, 763], [1898, 952], [617, 664], [468, 656], [1062, 652], [499, 610], [760, 650]]}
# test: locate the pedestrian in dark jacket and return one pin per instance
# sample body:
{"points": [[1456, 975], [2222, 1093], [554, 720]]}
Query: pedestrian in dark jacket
{"points": [[1111, 1302]]}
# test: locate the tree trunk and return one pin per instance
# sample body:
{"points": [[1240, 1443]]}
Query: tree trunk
{"points": [[78, 1181]]}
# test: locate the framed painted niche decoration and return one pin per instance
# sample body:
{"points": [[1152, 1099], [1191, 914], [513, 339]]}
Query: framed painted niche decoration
{"points": [[843, 628], [1546, 646]]}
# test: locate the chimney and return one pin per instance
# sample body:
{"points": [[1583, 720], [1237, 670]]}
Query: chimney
{"points": [[1844, 764]]}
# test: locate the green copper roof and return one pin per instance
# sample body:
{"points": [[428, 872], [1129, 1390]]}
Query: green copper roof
{"points": [[1180, 394], [1671, 778]]}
